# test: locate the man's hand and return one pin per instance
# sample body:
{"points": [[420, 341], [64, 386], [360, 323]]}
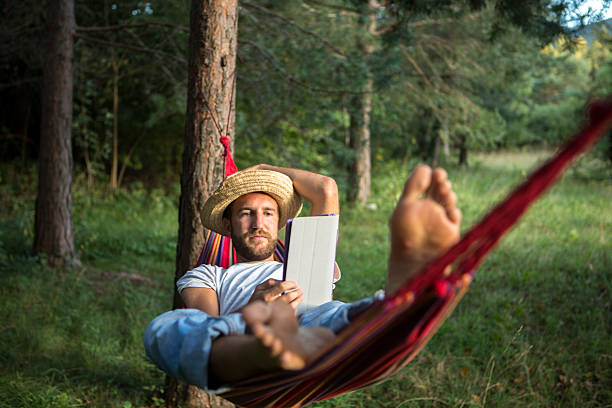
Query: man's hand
{"points": [[273, 290]]}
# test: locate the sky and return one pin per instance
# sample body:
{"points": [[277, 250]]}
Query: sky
{"points": [[597, 5]]}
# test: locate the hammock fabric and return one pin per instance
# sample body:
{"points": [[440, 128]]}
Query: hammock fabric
{"points": [[388, 334], [220, 251]]}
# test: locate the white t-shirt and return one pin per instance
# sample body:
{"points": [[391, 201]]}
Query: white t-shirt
{"points": [[234, 285]]}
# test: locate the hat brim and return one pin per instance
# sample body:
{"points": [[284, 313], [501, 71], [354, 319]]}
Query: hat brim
{"points": [[275, 184]]}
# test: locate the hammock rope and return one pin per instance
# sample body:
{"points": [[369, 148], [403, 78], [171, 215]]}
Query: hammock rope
{"points": [[229, 167]]}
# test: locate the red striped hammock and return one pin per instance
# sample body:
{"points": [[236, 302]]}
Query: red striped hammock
{"points": [[387, 335]]}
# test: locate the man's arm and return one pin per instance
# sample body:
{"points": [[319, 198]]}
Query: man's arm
{"points": [[204, 299], [207, 301], [321, 191]]}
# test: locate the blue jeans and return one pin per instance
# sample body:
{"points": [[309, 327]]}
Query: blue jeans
{"points": [[179, 341]]}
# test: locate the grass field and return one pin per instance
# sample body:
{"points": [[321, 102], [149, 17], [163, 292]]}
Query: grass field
{"points": [[533, 331]]}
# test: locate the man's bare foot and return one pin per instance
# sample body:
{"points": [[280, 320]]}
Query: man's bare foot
{"points": [[425, 223], [275, 325]]}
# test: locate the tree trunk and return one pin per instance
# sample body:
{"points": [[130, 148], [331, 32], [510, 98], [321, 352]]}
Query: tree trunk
{"points": [[212, 63], [24, 133], [115, 163], [128, 157], [441, 143], [360, 173], [359, 186], [463, 151], [436, 152], [445, 137], [53, 220], [88, 166]]}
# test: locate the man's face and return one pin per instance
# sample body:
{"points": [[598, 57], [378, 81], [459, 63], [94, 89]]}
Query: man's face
{"points": [[253, 225]]}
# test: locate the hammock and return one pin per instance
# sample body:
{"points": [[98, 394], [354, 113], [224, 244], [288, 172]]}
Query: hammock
{"points": [[389, 334], [219, 251]]}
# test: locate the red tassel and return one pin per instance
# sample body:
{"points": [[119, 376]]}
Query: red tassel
{"points": [[442, 288], [230, 166]]}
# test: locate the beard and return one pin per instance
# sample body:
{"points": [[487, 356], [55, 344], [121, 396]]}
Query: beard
{"points": [[250, 252]]}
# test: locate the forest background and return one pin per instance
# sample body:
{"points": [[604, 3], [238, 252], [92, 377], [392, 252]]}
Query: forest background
{"points": [[446, 85]]}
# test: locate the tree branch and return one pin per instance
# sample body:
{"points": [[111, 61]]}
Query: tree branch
{"points": [[126, 26], [163, 67], [19, 82], [422, 23], [130, 47], [424, 98], [290, 78], [351, 11], [416, 67], [128, 157], [293, 23], [451, 50], [378, 5], [383, 30], [431, 22]]}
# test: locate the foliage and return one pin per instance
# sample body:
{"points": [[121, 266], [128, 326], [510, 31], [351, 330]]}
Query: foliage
{"points": [[460, 73], [290, 104], [551, 101], [467, 77], [21, 59], [151, 86]]}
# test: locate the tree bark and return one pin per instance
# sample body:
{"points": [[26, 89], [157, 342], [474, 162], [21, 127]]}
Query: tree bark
{"points": [[436, 152], [53, 219], [463, 150], [441, 143], [359, 188], [360, 173], [128, 156], [88, 166], [212, 62], [115, 163], [114, 63]]}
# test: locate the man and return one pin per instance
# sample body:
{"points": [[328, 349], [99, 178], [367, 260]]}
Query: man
{"points": [[242, 320], [252, 219]]}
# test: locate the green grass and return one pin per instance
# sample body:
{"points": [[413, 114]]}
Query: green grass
{"points": [[73, 337], [534, 329]]}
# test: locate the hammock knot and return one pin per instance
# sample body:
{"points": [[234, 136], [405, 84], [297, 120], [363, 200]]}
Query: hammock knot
{"points": [[442, 288], [230, 166], [225, 143], [466, 278]]}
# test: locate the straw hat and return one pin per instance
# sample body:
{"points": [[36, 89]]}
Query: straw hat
{"points": [[275, 184]]}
